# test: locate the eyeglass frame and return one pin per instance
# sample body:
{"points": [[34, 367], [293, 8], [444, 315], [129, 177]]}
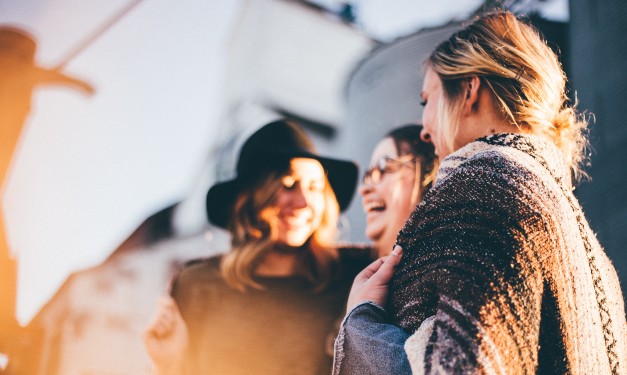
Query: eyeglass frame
{"points": [[383, 166]]}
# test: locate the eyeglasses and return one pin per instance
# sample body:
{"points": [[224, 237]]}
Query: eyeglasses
{"points": [[374, 174]]}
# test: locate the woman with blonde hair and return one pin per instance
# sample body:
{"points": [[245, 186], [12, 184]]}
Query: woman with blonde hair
{"points": [[269, 305], [500, 272]]}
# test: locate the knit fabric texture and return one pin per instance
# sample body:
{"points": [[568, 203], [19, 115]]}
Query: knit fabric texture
{"points": [[501, 256]]}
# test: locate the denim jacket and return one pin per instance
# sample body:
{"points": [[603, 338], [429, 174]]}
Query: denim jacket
{"points": [[367, 344]]}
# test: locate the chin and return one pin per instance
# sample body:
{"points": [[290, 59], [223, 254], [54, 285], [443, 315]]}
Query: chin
{"points": [[375, 237], [376, 229], [296, 241]]}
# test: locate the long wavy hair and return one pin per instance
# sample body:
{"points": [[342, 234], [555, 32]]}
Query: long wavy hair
{"points": [[524, 76], [253, 227]]}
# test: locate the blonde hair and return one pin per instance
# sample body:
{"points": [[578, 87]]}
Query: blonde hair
{"points": [[253, 228], [523, 74]]}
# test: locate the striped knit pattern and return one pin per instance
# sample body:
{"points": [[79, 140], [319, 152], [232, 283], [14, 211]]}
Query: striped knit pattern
{"points": [[501, 255]]}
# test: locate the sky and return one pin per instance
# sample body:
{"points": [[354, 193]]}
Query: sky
{"points": [[90, 169], [385, 20]]}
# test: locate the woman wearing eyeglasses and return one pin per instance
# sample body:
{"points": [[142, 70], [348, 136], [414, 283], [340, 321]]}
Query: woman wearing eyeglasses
{"points": [[402, 169]]}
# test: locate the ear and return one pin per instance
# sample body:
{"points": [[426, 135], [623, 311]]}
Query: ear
{"points": [[472, 94]]}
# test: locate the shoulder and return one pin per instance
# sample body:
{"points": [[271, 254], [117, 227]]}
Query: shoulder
{"points": [[199, 271], [491, 161], [488, 195], [505, 160], [490, 177], [488, 189], [196, 287]]}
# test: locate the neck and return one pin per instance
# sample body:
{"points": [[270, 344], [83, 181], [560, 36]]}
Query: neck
{"points": [[279, 262], [482, 126], [499, 127], [385, 242]]}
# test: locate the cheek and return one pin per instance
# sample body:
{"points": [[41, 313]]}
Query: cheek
{"points": [[385, 190], [425, 117], [426, 112], [317, 204], [428, 121], [280, 200], [392, 191], [401, 196]]}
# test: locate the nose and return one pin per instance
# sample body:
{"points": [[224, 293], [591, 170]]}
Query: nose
{"points": [[365, 188], [425, 136], [299, 199]]}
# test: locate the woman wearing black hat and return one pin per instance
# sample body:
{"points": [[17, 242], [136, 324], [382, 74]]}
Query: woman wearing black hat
{"points": [[270, 305]]}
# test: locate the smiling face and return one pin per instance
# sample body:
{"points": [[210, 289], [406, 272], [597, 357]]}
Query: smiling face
{"points": [[300, 201], [389, 202]]}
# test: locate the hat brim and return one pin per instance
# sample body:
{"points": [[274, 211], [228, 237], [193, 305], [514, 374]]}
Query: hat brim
{"points": [[342, 176], [43, 76]]}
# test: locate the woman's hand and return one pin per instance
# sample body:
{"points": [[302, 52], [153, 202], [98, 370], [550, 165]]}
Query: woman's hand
{"points": [[371, 284], [166, 338]]}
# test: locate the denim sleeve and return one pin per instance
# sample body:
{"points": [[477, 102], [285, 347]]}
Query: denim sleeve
{"points": [[367, 344]]}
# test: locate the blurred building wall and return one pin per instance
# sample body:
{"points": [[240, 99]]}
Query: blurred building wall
{"points": [[598, 39]]}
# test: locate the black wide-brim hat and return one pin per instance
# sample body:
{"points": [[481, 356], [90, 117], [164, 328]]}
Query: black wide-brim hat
{"points": [[269, 149]]}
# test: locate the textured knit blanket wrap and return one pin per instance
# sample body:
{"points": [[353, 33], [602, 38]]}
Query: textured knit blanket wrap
{"points": [[501, 263]]}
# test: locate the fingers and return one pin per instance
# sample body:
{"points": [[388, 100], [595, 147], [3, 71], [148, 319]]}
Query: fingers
{"points": [[371, 269], [371, 284], [382, 267], [395, 256], [386, 269], [165, 318]]}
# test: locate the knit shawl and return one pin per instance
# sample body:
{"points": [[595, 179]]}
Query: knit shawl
{"points": [[501, 273]]}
